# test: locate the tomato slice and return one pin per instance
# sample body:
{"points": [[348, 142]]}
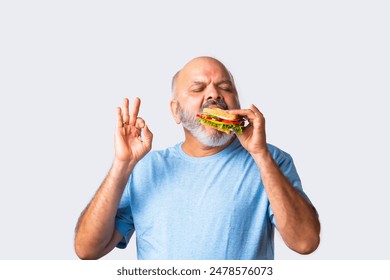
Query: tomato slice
{"points": [[219, 120], [230, 122]]}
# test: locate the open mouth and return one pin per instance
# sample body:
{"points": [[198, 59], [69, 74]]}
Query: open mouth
{"points": [[215, 104]]}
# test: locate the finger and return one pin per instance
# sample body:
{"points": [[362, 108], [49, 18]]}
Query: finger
{"points": [[125, 110], [148, 136], [256, 110], [119, 119], [248, 113], [140, 123], [251, 113], [259, 115], [135, 110]]}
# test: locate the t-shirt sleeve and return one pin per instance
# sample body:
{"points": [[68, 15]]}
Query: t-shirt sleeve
{"points": [[124, 218], [286, 165]]}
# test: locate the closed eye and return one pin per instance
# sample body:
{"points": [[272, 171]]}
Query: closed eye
{"points": [[197, 89], [225, 86], [197, 86]]}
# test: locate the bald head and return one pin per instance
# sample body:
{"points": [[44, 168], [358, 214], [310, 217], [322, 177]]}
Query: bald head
{"points": [[203, 82], [202, 63]]}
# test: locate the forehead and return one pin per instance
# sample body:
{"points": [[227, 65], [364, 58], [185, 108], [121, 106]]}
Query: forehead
{"points": [[204, 69]]}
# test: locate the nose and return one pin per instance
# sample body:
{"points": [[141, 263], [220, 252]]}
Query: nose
{"points": [[212, 94]]}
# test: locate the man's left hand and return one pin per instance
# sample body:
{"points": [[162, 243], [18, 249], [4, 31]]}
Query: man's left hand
{"points": [[253, 138]]}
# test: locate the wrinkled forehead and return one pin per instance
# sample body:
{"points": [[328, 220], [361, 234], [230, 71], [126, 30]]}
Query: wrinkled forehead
{"points": [[201, 69], [204, 69]]}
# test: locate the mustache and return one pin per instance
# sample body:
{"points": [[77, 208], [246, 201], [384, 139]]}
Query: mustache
{"points": [[220, 103]]}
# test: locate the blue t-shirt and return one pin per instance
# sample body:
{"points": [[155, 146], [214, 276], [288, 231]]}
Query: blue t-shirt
{"points": [[212, 207]]}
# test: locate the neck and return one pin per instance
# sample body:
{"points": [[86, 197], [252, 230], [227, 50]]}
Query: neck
{"points": [[194, 148]]}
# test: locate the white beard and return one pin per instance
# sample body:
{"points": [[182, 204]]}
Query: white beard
{"points": [[214, 139]]}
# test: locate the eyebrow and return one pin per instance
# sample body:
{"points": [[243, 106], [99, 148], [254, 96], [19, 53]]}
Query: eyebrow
{"points": [[225, 82], [219, 83], [197, 83]]}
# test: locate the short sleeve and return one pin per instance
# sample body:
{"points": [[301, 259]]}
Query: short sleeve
{"points": [[124, 218]]}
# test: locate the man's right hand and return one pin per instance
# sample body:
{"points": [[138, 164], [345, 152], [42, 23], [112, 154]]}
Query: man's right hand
{"points": [[133, 139], [96, 234]]}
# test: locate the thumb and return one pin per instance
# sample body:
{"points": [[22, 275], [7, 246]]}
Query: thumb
{"points": [[148, 135]]}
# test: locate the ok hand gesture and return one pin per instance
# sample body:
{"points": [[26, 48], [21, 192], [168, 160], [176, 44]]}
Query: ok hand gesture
{"points": [[133, 139]]}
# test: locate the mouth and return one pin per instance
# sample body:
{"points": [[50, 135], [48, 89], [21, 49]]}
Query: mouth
{"points": [[215, 104]]}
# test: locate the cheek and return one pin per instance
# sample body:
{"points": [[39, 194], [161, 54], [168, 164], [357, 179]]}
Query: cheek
{"points": [[192, 104], [233, 103]]}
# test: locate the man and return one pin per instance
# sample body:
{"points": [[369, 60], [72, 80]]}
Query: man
{"points": [[214, 196]]}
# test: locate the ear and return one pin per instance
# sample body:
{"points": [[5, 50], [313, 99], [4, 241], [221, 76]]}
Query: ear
{"points": [[175, 110]]}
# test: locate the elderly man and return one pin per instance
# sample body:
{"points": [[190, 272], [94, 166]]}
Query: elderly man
{"points": [[213, 196]]}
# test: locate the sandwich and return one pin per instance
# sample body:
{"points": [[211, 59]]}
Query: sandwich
{"points": [[221, 120]]}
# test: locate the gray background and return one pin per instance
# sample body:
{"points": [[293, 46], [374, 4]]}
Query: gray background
{"points": [[318, 70]]}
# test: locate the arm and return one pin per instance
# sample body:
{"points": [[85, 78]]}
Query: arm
{"points": [[95, 231], [297, 221]]}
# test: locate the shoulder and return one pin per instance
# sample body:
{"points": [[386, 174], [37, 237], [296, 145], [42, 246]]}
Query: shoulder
{"points": [[169, 153], [278, 154], [286, 164], [158, 157]]}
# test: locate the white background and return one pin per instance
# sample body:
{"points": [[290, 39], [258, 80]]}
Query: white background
{"points": [[318, 70]]}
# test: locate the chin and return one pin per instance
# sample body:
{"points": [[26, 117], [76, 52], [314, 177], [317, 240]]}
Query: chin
{"points": [[213, 138]]}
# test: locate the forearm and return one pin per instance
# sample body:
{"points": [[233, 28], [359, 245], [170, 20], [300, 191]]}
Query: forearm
{"points": [[296, 220], [96, 224]]}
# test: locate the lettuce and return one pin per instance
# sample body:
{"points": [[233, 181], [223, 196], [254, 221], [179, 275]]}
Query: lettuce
{"points": [[233, 127]]}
